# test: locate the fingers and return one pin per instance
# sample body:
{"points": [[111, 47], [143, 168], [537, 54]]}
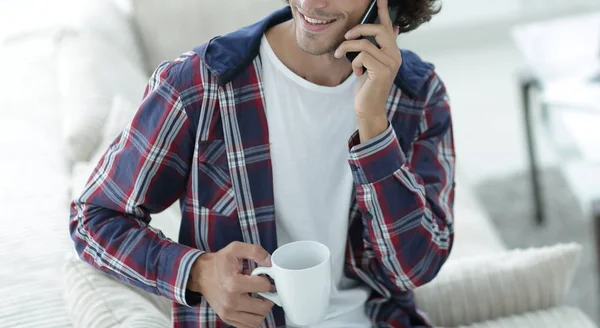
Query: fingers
{"points": [[247, 311], [256, 306], [364, 45], [250, 252], [385, 39], [370, 63], [240, 284], [384, 14], [248, 319], [245, 320], [229, 287]]}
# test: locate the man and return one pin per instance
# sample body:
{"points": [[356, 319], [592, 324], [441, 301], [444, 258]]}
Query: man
{"points": [[269, 135]]}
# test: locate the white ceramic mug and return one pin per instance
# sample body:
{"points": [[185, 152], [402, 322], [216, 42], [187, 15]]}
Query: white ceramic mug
{"points": [[302, 274]]}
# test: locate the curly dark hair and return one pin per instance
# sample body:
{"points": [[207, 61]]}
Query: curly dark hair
{"points": [[413, 13]]}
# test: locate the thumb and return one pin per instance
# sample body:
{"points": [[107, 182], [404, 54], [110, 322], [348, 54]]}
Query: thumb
{"points": [[266, 261], [252, 252]]}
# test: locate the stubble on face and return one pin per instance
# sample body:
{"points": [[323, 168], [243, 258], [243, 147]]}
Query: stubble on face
{"points": [[319, 44]]}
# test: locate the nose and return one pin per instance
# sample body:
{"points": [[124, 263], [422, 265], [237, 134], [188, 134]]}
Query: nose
{"points": [[309, 5]]}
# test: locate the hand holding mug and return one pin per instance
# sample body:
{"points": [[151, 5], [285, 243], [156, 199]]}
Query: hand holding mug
{"points": [[219, 278], [302, 274]]}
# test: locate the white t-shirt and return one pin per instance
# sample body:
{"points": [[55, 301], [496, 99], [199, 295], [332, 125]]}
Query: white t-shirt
{"points": [[309, 127]]}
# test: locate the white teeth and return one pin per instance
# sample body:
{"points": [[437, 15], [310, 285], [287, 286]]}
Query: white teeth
{"points": [[316, 21]]}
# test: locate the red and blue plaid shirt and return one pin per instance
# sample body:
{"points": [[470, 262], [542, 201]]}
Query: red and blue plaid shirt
{"points": [[201, 136]]}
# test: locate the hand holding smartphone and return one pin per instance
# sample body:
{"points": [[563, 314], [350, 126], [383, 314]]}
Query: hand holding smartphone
{"points": [[376, 64], [371, 16]]}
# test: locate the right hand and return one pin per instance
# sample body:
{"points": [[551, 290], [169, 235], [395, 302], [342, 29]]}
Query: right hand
{"points": [[219, 278]]}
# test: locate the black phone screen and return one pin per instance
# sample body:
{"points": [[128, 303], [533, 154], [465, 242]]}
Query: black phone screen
{"points": [[371, 16]]}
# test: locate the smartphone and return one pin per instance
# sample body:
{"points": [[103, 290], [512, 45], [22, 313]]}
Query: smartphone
{"points": [[371, 16]]}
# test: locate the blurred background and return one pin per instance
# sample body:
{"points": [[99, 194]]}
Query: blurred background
{"points": [[523, 78], [524, 82]]}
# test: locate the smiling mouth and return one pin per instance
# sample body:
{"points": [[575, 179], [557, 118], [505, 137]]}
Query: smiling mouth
{"points": [[315, 21]]}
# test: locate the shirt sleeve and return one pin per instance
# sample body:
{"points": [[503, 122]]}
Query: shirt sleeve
{"points": [[143, 172], [406, 198]]}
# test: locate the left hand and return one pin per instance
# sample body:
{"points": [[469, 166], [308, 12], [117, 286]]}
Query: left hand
{"points": [[382, 65]]}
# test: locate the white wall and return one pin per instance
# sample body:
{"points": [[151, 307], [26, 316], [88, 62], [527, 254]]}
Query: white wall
{"points": [[470, 12], [467, 22], [463, 12], [471, 46]]}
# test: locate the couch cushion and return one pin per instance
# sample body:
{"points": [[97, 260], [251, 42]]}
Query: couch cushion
{"points": [[474, 231], [96, 300], [103, 19], [99, 57], [491, 286], [91, 73], [33, 181], [559, 317], [169, 28], [120, 116]]}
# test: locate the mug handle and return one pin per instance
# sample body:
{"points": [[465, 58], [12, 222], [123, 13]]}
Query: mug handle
{"points": [[273, 297]]}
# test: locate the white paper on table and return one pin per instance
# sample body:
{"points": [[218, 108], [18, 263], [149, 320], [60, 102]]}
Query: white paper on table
{"points": [[574, 93], [583, 129], [561, 47]]}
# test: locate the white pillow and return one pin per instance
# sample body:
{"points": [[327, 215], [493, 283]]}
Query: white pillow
{"points": [[120, 116], [474, 231], [104, 19], [170, 28], [80, 174], [91, 73], [107, 19], [487, 287], [559, 317], [96, 300], [168, 221]]}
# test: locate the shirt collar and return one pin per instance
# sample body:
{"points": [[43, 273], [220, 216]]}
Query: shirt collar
{"points": [[228, 55]]}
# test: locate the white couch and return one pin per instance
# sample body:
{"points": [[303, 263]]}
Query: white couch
{"points": [[73, 77]]}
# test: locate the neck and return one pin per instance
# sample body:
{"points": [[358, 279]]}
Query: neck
{"points": [[323, 70]]}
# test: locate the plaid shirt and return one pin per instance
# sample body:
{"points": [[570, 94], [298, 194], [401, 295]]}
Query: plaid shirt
{"points": [[201, 136]]}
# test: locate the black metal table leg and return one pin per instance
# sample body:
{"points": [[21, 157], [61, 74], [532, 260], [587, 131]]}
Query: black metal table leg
{"points": [[527, 84], [596, 227]]}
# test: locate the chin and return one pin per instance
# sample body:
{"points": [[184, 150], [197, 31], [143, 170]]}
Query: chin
{"points": [[314, 49], [316, 45]]}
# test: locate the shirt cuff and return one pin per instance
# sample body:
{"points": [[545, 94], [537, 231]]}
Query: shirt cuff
{"points": [[375, 159], [175, 264]]}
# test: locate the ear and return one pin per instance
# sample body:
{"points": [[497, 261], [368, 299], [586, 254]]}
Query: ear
{"points": [[397, 30]]}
